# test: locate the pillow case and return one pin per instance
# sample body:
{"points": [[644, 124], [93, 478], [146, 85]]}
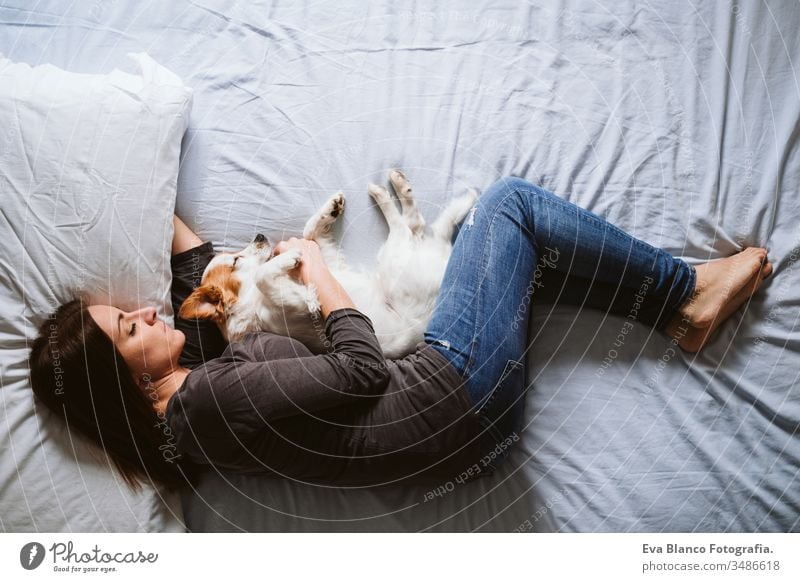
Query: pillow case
{"points": [[88, 178]]}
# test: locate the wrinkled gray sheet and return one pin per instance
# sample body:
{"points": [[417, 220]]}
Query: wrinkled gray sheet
{"points": [[678, 121]]}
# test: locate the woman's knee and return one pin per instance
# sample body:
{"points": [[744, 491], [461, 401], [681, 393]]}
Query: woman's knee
{"points": [[511, 185], [507, 185], [511, 191]]}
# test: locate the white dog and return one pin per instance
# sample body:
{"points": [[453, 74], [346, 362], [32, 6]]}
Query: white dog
{"points": [[251, 290]]}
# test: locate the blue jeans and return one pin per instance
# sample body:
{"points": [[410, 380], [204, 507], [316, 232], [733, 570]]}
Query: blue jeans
{"points": [[523, 244]]}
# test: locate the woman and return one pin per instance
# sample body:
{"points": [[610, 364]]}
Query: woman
{"points": [[163, 401]]}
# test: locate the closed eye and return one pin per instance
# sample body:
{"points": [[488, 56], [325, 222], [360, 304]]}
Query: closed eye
{"points": [[133, 329], [234, 261]]}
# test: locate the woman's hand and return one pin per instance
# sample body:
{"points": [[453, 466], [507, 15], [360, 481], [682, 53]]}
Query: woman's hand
{"points": [[312, 264], [313, 271]]}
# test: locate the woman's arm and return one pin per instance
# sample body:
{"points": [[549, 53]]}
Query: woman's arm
{"points": [[245, 388], [183, 238]]}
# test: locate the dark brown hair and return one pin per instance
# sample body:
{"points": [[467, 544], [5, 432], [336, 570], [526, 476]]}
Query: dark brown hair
{"points": [[77, 373]]}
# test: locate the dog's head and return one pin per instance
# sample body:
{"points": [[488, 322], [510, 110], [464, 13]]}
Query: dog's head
{"points": [[222, 282]]}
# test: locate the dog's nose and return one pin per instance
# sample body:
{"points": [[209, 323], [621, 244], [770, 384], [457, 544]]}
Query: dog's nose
{"points": [[260, 238]]}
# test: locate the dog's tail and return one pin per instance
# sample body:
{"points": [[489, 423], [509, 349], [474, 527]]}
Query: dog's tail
{"points": [[459, 208]]}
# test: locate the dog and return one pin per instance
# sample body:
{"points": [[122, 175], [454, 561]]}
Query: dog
{"points": [[252, 289]]}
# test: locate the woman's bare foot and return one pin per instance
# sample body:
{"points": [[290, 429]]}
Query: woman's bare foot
{"points": [[692, 338], [718, 282]]}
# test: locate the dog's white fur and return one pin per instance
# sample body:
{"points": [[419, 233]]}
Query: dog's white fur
{"points": [[249, 291]]}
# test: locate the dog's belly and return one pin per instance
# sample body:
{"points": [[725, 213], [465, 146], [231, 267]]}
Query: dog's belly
{"points": [[399, 298]]}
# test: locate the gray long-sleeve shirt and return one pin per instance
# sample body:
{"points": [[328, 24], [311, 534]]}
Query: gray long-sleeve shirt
{"points": [[267, 405]]}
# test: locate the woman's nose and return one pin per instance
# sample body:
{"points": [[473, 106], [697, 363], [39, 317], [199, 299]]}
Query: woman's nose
{"points": [[148, 315], [151, 316]]}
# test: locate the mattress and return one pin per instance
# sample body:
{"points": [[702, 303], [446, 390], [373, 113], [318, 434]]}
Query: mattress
{"points": [[677, 121]]}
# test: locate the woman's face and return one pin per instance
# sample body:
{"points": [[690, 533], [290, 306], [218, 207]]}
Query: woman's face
{"points": [[148, 345]]}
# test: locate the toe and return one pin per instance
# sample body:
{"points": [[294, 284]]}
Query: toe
{"points": [[760, 253]]}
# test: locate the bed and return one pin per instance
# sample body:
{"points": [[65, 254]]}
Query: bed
{"points": [[678, 121]]}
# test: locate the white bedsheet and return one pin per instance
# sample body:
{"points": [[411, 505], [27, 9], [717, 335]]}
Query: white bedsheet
{"points": [[677, 121]]}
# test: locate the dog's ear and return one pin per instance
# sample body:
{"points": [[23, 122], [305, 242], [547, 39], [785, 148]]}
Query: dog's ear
{"points": [[205, 302]]}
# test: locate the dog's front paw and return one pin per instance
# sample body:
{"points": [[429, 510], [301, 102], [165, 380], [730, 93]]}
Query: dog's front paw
{"points": [[320, 223], [335, 205], [289, 260]]}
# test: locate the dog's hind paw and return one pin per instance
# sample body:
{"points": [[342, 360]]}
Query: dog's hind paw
{"points": [[378, 193], [400, 183]]}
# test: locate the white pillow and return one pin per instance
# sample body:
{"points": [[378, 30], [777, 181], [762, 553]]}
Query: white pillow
{"points": [[88, 175]]}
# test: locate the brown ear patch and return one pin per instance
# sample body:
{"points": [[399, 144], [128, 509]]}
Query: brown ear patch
{"points": [[219, 290], [205, 302]]}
